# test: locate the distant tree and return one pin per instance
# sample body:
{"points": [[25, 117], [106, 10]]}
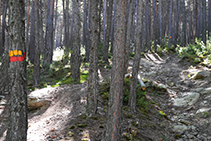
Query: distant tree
{"points": [[108, 31], [4, 26], [27, 26], [160, 23], [171, 24], [112, 27], [130, 12], [204, 21], [155, 25], [183, 34], [17, 127], [32, 35], [209, 17], [66, 25], [114, 112], [36, 72], [75, 50], [48, 53], [93, 84]]}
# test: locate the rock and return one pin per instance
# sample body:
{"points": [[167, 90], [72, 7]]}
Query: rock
{"points": [[36, 103], [206, 91], [39, 98], [190, 136], [180, 128], [203, 112], [189, 98], [201, 74]]}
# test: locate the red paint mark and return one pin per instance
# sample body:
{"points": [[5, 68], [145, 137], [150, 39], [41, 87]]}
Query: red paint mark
{"points": [[18, 58]]}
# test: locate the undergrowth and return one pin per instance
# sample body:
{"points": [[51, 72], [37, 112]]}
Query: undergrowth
{"points": [[141, 100]]}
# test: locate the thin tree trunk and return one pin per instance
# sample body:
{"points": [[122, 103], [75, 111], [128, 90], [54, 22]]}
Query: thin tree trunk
{"points": [[155, 25], [93, 84], [170, 24], [32, 35], [75, 55], [48, 54], [4, 25], [209, 17], [114, 114], [160, 23], [17, 128], [204, 21], [27, 27], [104, 21], [183, 34], [108, 31], [112, 27], [136, 61], [131, 4], [36, 72]]}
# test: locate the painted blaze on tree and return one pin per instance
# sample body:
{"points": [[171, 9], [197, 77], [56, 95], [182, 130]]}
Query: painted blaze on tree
{"points": [[17, 127]]}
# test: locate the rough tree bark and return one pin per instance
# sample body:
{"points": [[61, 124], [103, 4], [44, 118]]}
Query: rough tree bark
{"points": [[131, 7], [136, 61], [204, 21], [48, 54], [93, 85], [114, 114], [108, 31], [36, 72], [183, 34], [32, 35], [4, 26], [75, 53], [17, 128], [170, 24]]}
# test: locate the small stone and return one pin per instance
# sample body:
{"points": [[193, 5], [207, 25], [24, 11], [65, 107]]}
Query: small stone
{"points": [[201, 74], [203, 112], [189, 98], [179, 128], [206, 91], [190, 136]]}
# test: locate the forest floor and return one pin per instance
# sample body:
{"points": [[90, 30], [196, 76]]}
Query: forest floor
{"points": [[176, 106]]}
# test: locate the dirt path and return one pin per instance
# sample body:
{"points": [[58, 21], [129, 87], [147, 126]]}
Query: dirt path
{"points": [[173, 87]]}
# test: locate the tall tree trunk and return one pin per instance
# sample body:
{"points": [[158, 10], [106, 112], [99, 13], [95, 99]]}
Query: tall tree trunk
{"points": [[209, 17], [27, 27], [155, 25], [48, 54], [136, 61], [108, 31], [114, 114], [204, 21], [130, 11], [93, 84], [75, 55], [88, 33], [183, 34], [160, 23], [32, 35], [112, 27], [170, 24], [4, 25], [55, 24], [99, 17], [85, 31], [104, 21], [36, 72], [17, 128]]}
